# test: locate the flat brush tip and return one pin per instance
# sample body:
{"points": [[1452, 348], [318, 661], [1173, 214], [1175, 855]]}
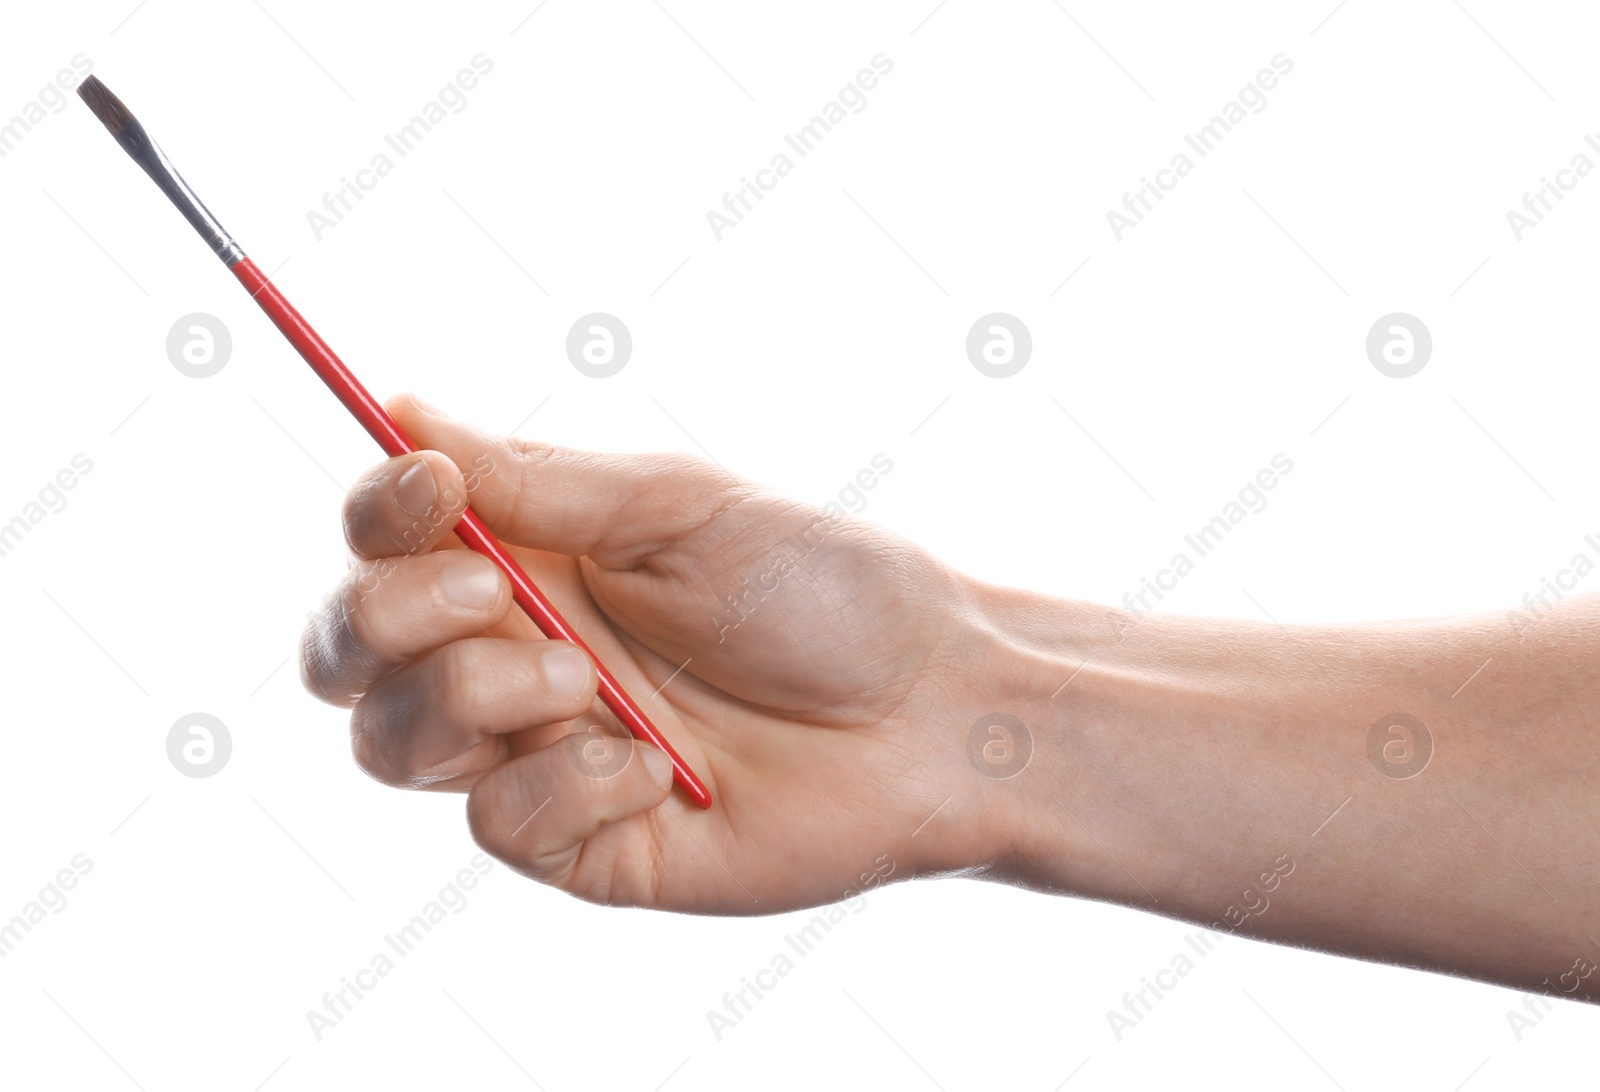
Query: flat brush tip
{"points": [[106, 106]]}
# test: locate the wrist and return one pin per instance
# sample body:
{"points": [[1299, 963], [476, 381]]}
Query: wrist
{"points": [[1045, 686]]}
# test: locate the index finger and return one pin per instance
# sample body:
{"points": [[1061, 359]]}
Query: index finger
{"points": [[406, 505]]}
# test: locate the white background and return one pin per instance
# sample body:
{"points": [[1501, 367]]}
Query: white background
{"points": [[824, 329]]}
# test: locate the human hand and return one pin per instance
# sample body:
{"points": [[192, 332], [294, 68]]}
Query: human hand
{"points": [[812, 669]]}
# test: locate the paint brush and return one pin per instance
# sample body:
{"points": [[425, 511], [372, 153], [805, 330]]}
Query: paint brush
{"points": [[471, 530]]}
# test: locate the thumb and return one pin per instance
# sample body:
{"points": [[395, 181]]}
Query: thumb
{"points": [[616, 509]]}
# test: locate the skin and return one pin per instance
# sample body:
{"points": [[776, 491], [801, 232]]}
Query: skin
{"points": [[844, 721]]}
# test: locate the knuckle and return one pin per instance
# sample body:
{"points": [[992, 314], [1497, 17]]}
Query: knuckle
{"points": [[404, 732], [373, 736], [318, 660], [358, 622], [356, 514], [701, 474], [681, 464], [347, 638], [487, 821], [528, 457], [531, 453], [458, 680], [508, 827], [704, 477], [359, 605]]}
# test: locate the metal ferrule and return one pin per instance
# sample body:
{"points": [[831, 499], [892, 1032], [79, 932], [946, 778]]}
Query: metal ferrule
{"points": [[137, 143]]}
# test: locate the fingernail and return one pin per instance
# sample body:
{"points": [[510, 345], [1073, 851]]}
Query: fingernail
{"points": [[415, 491], [566, 671], [427, 407], [656, 764], [471, 581]]}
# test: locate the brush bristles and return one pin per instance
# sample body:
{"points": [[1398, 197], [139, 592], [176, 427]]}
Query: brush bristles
{"points": [[106, 106]]}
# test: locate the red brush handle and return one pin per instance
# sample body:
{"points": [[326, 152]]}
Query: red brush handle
{"points": [[470, 530]]}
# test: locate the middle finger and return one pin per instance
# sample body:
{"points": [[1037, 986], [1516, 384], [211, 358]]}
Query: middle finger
{"points": [[388, 611]]}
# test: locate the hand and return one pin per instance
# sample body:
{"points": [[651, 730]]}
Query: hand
{"points": [[811, 668]]}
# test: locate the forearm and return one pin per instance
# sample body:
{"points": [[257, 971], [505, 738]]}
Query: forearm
{"points": [[1222, 772]]}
